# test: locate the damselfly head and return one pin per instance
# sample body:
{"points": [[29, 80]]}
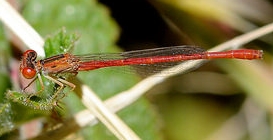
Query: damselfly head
{"points": [[27, 67]]}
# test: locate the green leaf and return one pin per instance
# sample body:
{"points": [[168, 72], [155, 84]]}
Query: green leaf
{"points": [[6, 120], [60, 43], [98, 33]]}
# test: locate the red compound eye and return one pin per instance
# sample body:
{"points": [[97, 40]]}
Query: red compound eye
{"points": [[28, 73]]}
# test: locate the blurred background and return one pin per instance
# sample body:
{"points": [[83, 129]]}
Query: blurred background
{"points": [[221, 100], [217, 101]]}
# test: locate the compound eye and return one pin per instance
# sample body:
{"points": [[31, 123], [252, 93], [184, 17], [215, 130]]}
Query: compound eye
{"points": [[28, 73]]}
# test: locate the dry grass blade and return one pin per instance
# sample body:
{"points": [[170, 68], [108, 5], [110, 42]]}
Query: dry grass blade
{"points": [[21, 28], [32, 39]]}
